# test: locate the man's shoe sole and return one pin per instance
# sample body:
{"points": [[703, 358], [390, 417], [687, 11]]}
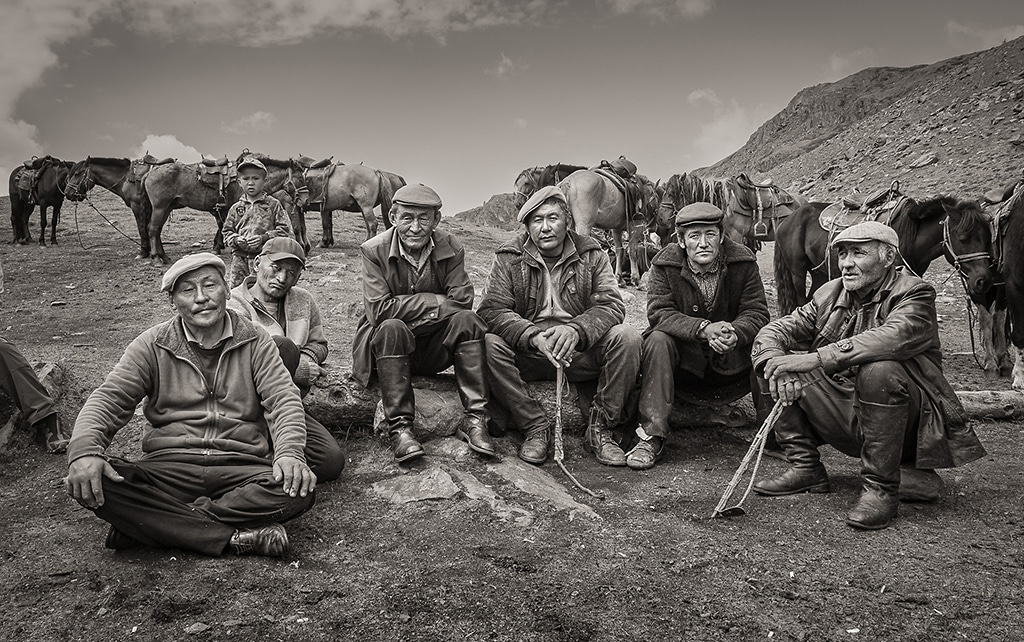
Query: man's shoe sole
{"points": [[483, 451], [865, 527], [823, 487], [413, 455]]}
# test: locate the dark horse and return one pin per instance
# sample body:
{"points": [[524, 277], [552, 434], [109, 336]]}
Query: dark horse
{"points": [[118, 176], [1009, 246], [48, 192], [755, 210], [532, 179], [927, 230], [681, 190]]}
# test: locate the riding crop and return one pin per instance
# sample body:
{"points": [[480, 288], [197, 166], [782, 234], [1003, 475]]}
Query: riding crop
{"points": [[756, 447], [559, 445]]}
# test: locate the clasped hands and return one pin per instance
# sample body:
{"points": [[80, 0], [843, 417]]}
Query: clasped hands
{"points": [[782, 375], [249, 243], [557, 343], [720, 335]]}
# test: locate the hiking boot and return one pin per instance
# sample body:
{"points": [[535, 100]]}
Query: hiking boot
{"points": [[270, 540], [646, 453], [598, 440], [874, 510], [534, 449], [796, 480]]}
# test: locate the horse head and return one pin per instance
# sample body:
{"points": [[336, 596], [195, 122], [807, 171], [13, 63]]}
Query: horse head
{"points": [[527, 183], [80, 180], [967, 244]]}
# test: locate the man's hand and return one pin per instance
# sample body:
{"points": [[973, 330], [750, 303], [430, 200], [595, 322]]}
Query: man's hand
{"points": [[84, 482], [296, 477], [781, 373], [557, 344], [721, 336], [251, 243]]}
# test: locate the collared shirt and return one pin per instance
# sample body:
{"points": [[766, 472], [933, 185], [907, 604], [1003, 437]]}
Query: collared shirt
{"points": [[227, 331], [420, 267], [706, 280], [208, 356], [551, 308]]}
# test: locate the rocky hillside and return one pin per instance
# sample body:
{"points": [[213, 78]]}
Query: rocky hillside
{"points": [[954, 127], [499, 211]]}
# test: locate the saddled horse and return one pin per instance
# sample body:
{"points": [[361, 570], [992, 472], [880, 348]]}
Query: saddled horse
{"points": [[123, 178], [595, 201], [927, 230], [756, 209], [176, 185], [1008, 227], [350, 188], [47, 191], [532, 179], [685, 189]]}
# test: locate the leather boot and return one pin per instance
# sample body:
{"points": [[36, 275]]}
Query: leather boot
{"points": [[395, 378], [806, 475], [598, 440], [883, 427], [50, 431], [469, 374], [534, 449]]}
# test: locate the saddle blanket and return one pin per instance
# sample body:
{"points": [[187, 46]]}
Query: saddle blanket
{"points": [[839, 215], [26, 179]]}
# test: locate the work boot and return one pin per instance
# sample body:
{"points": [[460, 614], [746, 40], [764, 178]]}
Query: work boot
{"points": [[270, 540], [118, 541], [646, 453], [395, 379], [50, 432], [806, 475], [598, 440], [883, 427], [469, 375], [920, 485], [534, 449]]}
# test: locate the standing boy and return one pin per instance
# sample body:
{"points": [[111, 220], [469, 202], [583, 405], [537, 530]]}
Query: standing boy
{"points": [[256, 218]]}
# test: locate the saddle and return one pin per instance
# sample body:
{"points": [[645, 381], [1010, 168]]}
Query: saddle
{"points": [[215, 162], [621, 166], [153, 160], [27, 181], [754, 199], [1002, 194], [217, 173], [328, 166], [856, 208], [1005, 199], [305, 162], [37, 162], [630, 189]]}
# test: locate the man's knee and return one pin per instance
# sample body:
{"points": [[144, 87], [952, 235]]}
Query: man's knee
{"points": [[497, 349], [392, 337], [657, 343], [882, 381], [468, 325], [289, 353]]}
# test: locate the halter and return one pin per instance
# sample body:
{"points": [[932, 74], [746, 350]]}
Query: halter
{"points": [[960, 259]]}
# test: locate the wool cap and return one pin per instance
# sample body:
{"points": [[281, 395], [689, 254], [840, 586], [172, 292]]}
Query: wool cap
{"points": [[186, 264], [541, 195], [418, 195], [282, 247], [867, 231], [702, 213], [252, 162]]}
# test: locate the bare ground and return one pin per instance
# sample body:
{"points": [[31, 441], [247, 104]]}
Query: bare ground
{"points": [[653, 565]]}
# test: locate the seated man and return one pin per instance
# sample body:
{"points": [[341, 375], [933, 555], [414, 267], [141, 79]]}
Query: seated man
{"points": [[705, 304], [417, 319], [871, 384], [288, 313], [552, 301], [223, 460], [19, 381]]}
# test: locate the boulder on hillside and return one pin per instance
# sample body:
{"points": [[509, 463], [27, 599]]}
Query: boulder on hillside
{"points": [[499, 211]]}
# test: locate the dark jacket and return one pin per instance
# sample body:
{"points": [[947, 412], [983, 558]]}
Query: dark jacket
{"points": [[897, 324], [588, 291], [387, 293], [676, 306]]}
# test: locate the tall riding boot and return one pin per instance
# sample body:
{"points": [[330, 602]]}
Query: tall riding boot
{"points": [[399, 404], [469, 374], [807, 475], [883, 427], [600, 442]]}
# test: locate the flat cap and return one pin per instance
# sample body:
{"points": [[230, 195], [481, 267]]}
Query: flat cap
{"points": [[249, 161], [282, 247], [702, 213], [867, 231], [417, 195], [541, 195], [186, 264]]}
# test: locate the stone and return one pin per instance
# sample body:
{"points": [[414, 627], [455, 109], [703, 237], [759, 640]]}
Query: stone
{"points": [[536, 481], [432, 483]]}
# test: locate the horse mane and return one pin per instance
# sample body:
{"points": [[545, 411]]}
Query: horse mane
{"points": [[908, 219], [266, 160], [108, 160], [695, 189], [971, 216]]}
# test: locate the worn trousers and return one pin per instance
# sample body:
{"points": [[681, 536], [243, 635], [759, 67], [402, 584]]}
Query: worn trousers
{"points": [[429, 346], [19, 381], [614, 361], [195, 502]]}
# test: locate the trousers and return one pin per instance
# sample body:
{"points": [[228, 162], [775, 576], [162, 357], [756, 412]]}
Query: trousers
{"points": [[431, 346], [21, 384]]}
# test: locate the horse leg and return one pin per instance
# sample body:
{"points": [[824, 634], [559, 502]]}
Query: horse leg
{"points": [[371, 221], [42, 225], [142, 216], [156, 227], [53, 223], [1015, 307], [986, 338], [1000, 348], [218, 237], [327, 224]]}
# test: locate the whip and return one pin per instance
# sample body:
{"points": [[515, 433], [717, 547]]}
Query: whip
{"points": [[756, 447], [559, 445]]}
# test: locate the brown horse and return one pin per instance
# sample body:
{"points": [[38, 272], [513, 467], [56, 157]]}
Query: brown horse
{"points": [[176, 185], [756, 209], [595, 201], [532, 179], [48, 192], [1009, 246], [681, 190], [927, 230], [350, 188], [118, 176]]}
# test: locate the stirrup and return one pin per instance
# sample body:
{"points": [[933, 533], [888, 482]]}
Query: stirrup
{"points": [[760, 229]]}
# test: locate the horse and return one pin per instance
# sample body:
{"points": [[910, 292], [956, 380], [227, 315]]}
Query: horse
{"points": [[532, 179], [48, 192], [927, 230], [750, 204], [595, 201], [176, 185], [350, 188], [681, 190], [1008, 228], [116, 175]]}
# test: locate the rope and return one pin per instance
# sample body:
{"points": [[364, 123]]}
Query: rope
{"points": [[756, 446], [559, 443], [103, 216]]}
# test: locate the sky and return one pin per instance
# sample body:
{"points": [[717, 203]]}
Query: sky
{"points": [[459, 95]]}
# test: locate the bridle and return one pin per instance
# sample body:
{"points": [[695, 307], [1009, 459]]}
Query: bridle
{"points": [[959, 260], [532, 182]]}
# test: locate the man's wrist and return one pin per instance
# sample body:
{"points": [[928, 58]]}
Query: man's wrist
{"points": [[702, 327]]}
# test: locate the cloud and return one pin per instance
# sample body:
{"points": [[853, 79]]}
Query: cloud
{"points": [[842, 65], [976, 38], [664, 8], [520, 123], [706, 95], [162, 145], [727, 131], [506, 67], [259, 121]]}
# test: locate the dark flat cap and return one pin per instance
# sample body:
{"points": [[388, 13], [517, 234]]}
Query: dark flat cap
{"points": [[186, 264], [282, 247], [417, 195], [868, 231], [703, 213], [541, 195]]}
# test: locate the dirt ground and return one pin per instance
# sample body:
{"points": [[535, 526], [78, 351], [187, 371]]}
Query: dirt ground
{"points": [[652, 565]]}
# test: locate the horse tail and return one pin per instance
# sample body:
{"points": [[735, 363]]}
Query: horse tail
{"points": [[785, 290], [385, 193]]}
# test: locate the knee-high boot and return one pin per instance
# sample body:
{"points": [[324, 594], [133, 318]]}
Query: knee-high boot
{"points": [[807, 474], [399, 404], [469, 374], [883, 428]]}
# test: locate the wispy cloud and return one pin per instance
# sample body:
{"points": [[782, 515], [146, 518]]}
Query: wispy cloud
{"points": [[258, 121], [842, 65], [506, 67], [162, 145], [703, 95], [520, 123], [664, 8], [729, 128], [975, 37]]}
